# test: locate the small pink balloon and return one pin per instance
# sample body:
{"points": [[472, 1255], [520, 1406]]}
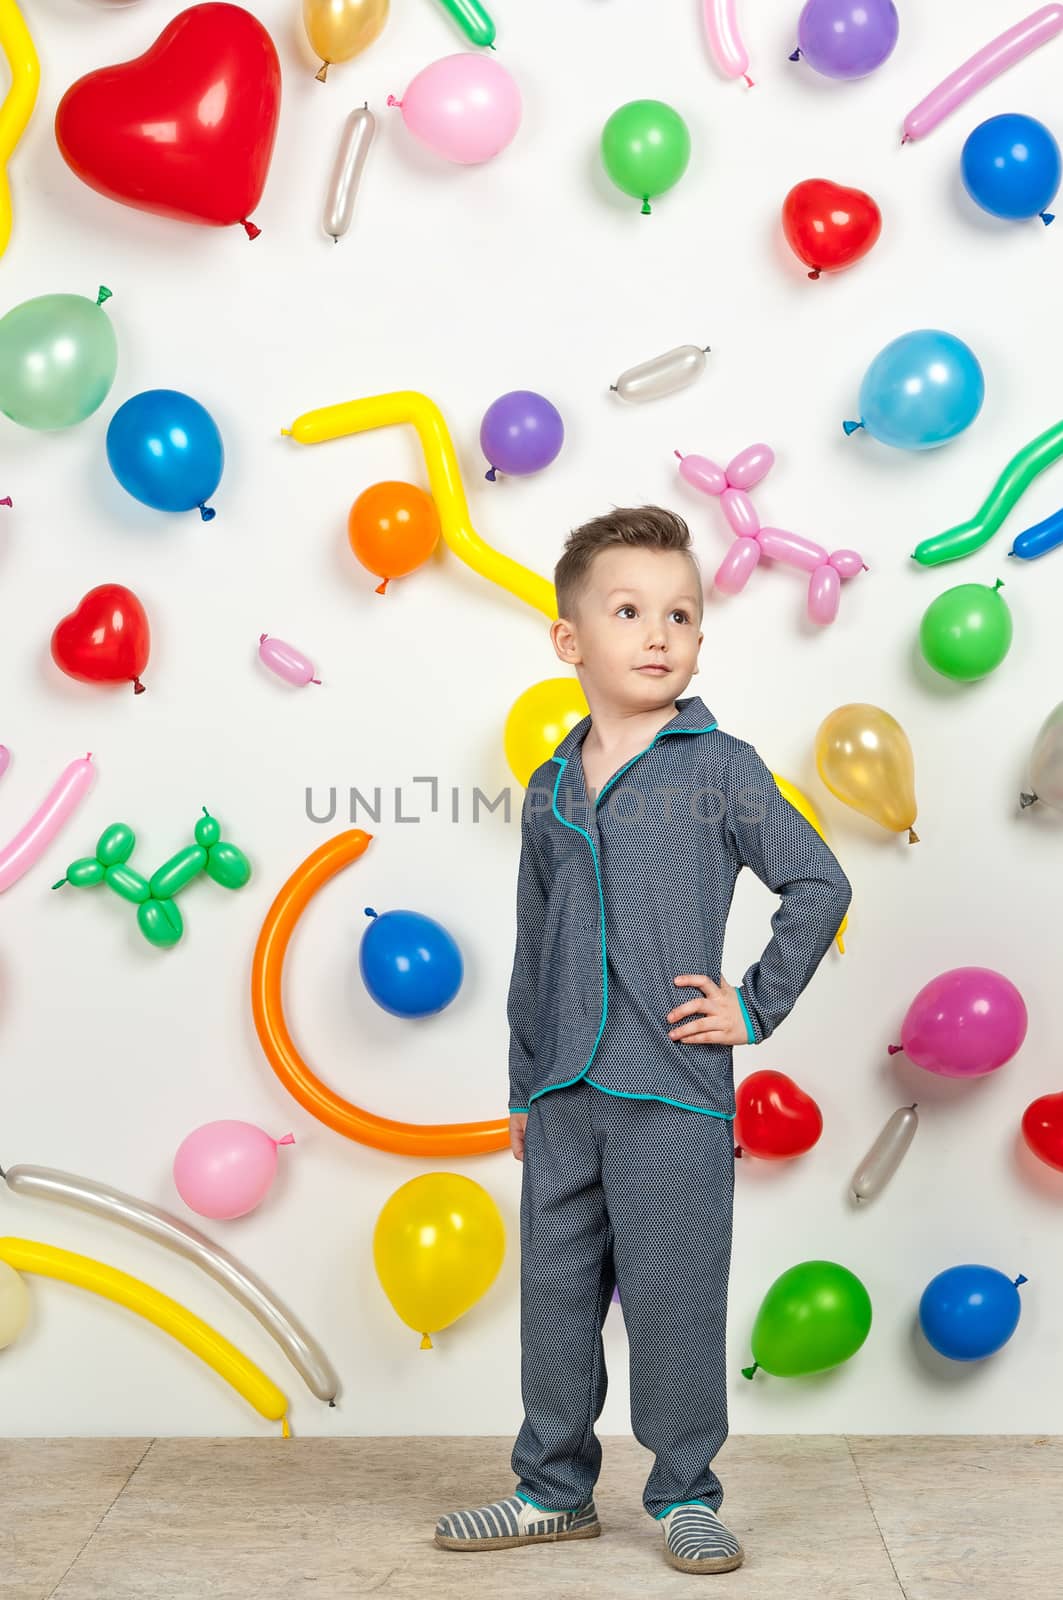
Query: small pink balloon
{"points": [[734, 570], [824, 592], [286, 661], [750, 465], [466, 107], [847, 563], [224, 1169], [5, 759], [702, 473], [964, 1023], [781, 545], [740, 512]]}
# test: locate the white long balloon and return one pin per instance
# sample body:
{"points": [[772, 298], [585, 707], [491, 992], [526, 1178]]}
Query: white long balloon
{"points": [[358, 133], [304, 1353], [885, 1155]]}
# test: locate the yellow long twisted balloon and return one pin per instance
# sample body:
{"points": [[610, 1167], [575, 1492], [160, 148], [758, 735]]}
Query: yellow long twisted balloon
{"points": [[21, 98]]}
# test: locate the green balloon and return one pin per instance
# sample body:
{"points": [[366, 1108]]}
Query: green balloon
{"points": [[175, 874], [128, 883], [645, 148], [160, 922], [814, 1316], [58, 358], [115, 844], [207, 830], [82, 874], [228, 865], [966, 631]]}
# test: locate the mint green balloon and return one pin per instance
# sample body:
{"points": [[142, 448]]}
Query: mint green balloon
{"points": [[966, 631], [814, 1316], [645, 148], [58, 358]]}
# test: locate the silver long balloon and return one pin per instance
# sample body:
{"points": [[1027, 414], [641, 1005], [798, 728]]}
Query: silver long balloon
{"points": [[885, 1155], [306, 1356], [358, 133], [662, 374]]}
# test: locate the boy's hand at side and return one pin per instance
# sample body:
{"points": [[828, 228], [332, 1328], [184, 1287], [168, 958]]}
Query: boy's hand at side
{"points": [[715, 1017], [518, 1121]]}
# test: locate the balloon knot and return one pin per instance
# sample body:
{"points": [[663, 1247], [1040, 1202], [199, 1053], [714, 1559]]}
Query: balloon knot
{"points": [[104, 294], [749, 81], [1027, 800], [208, 513], [815, 273], [262, 638], [391, 101], [895, 1048], [289, 1138], [370, 912], [6, 501], [1022, 1278], [913, 837], [322, 72], [678, 454], [796, 56], [426, 1343], [250, 228], [286, 1431], [738, 1152], [851, 427], [998, 585], [747, 1372], [1047, 217], [381, 588], [491, 474], [316, 680], [906, 138], [138, 687], [645, 205], [60, 884]]}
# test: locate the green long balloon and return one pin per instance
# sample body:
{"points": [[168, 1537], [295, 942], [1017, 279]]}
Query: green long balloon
{"points": [[1021, 470], [472, 19]]}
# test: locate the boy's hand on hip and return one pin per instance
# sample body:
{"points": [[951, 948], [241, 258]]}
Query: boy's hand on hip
{"points": [[715, 1017], [518, 1121]]}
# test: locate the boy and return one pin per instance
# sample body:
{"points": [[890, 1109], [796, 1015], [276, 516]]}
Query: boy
{"points": [[622, 1027]]}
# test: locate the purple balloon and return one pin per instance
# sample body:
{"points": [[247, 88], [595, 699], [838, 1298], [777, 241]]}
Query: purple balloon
{"points": [[964, 1023], [521, 433], [846, 38]]}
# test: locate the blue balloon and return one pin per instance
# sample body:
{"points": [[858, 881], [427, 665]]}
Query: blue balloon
{"points": [[969, 1312], [409, 963], [1040, 539], [165, 450], [920, 391], [1011, 167]]}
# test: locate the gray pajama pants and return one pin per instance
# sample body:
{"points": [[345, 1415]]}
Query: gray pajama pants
{"points": [[637, 1194]]}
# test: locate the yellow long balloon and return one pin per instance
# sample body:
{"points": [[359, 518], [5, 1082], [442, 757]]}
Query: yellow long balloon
{"points": [[444, 477], [48, 1261], [15, 112], [800, 801]]}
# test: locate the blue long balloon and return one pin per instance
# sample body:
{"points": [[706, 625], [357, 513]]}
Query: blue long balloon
{"points": [[1040, 539]]}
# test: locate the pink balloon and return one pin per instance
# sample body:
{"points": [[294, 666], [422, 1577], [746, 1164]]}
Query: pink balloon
{"points": [[702, 473], [725, 41], [58, 805], [824, 592], [964, 1023], [286, 661], [750, 465], [5, 759], [466, 107], [847, 563], [734, 570], [740, 512], [981, 68], [225, 1169], [780, 545]]}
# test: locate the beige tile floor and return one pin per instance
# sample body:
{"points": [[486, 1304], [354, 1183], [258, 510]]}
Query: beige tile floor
{"points": [[822, 1518]]}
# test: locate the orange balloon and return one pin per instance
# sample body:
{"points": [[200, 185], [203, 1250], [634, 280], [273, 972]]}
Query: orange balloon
{"points": [[393, 529], [267, 1004]]}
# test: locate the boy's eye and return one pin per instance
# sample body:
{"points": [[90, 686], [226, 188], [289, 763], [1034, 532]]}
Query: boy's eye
{"points": [[622, 609], [682, 615]]}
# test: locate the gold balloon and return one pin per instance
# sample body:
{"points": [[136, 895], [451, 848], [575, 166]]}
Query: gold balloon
{"points": [[438, 1245], [538, 721], [340, 29], [864, 758], [800, 802]]}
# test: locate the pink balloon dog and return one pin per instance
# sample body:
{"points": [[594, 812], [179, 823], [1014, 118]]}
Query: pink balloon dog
{"points": [[730, 484], [964, 1023]]}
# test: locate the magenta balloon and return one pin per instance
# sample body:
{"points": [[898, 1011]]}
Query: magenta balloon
{"points": [[964, 1023]]}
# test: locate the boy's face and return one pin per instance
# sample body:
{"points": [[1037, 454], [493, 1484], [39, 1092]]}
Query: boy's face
{"points": [[636, 634]]}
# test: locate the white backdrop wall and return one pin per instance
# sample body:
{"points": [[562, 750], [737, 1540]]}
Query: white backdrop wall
{"points": [[529, 272]]}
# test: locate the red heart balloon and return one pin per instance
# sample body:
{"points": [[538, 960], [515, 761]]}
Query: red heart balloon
{"points": [[186, 130], [1042, 1128], [774, 1118], [106, 640], [827, 226]]}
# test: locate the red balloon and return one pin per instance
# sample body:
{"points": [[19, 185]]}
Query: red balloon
{"points": [[827, 226], [775, 1119], [106, 640], [1042, 1128], [185, 130]]}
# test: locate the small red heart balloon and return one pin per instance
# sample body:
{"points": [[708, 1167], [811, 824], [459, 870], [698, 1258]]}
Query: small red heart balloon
{"points": [[1042, 1128], [106, 640], [185, 130], [827, 226], [774, 1118]]}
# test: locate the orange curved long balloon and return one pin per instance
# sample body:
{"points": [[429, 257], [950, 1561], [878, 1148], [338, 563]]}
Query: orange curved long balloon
{"points": [[267, 1003]]}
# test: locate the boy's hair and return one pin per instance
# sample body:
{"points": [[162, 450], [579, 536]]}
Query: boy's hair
{"points": [[649, 527]]}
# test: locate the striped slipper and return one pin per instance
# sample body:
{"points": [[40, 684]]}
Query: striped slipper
{"points": [[695, 1540], [506, 1523]]}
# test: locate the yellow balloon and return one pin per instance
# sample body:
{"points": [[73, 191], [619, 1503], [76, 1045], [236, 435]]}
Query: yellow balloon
{"points": [[340, 29], [438, 1245], [538, 720], [17, 45], [864, 758], [444, 477], [46, 1260], [800, 801], [14, 1305]]}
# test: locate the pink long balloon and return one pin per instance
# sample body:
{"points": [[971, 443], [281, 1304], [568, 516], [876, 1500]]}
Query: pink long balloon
{"points": [[725, 41], [987, 64], [796, 551], [62, 800], [735, 569], [286, 661], [5, 759]]}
